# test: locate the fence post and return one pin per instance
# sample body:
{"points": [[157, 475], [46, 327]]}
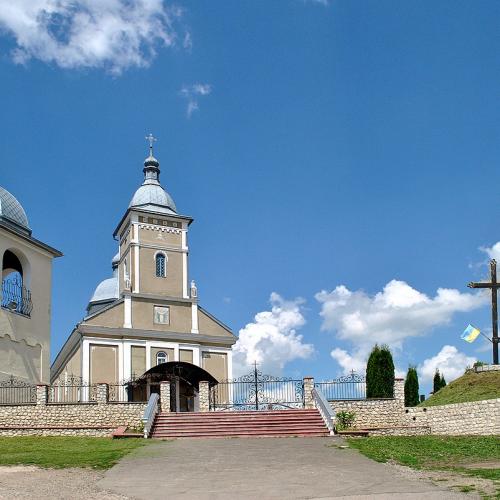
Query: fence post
{"points": [[399, 390], [102, 394], [204, 395], [42, 394], [165, 396], [308, 393]]}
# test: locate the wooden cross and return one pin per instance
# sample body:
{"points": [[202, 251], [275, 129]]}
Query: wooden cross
{"points": [[151, 138], [493, 286]]}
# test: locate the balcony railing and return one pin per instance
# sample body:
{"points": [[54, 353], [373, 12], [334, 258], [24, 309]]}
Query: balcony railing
{"points": [[16, 297]]}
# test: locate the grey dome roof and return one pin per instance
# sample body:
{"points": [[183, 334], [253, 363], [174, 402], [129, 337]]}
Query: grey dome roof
{"points": [[151, 196], [12, 210], [106, 290]]}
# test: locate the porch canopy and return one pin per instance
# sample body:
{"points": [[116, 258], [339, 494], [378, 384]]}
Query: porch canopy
{"points": [[174, 370]]}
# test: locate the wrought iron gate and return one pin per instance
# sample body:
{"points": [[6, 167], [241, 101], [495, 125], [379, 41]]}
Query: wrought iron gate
{"points": [[257, 391]]}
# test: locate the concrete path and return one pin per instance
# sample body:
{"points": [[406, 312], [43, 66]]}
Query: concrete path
{"points": [[262, 469]]}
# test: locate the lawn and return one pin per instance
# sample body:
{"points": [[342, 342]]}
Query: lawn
{"points": [[61, 452], [469, 387], [435, 452]]}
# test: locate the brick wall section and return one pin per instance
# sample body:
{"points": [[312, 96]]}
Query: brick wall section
{"points": [[475, 418], [377, 412]]}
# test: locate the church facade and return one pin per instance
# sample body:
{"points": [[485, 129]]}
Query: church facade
{"points": [[25, 297], [148, 312]]}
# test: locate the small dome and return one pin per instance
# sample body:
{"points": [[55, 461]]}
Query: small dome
{"points": [[150, 195], [12, 210], [106, 290], [153, 197]]}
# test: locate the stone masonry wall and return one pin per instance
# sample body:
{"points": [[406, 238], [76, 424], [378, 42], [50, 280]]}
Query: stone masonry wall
{"points": [[474, 418], [376, 412], [79, 419]]}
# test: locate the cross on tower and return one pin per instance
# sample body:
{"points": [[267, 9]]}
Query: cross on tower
{"points": [[151, 138], [494, 286]]}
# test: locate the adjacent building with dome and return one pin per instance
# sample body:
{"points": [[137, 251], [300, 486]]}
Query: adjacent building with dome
{"points": [[25, 297], [147, 313]]}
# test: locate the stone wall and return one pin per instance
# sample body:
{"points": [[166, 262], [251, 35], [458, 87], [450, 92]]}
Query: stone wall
{"points": [[475, 418], [376, 412], [80, 419]]}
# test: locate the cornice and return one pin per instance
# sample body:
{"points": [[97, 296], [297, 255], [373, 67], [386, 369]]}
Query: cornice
{"points": [[124, 333]]}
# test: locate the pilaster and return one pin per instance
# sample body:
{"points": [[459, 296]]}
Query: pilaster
{"points": [[308, 393], [42, 394], [204, 396], [102, 396], [165, 396]]}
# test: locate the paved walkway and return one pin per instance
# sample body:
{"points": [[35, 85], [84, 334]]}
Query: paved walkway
{"points": [[262, 469]]}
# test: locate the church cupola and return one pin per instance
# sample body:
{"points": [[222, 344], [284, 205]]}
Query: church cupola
{"points": [[151, 196]]}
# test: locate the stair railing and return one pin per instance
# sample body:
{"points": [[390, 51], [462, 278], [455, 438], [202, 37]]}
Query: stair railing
{"points": [[149, 414], [325, 409]]}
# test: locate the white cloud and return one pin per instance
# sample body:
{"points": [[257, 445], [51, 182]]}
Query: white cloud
{"points": [[111, 34], [492, 252], [272, 339], [389, 317], [192, 92], [318, 2], [450, 362]]}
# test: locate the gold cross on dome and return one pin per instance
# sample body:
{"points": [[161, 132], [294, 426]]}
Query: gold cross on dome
{"points": [[152, 139]]}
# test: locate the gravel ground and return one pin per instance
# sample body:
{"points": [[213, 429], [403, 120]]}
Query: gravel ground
{"points": [[451, 480], [33, 482]]}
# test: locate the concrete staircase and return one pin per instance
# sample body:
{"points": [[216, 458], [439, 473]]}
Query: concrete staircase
{"points": [[279, 423]]}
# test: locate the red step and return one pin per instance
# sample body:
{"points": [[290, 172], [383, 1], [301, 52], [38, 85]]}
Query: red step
{"points": [[239, 424]]}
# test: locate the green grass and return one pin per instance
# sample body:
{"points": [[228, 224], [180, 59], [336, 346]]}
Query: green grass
{"points": [[469, 387], [434, 452], [61, 452]]}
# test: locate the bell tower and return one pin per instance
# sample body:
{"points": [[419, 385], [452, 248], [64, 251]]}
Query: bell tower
{"points": [[153, 240]]}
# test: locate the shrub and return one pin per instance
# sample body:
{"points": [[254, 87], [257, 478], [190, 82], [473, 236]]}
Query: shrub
{"points": [[345, 419], [411, 387], [380, 373]]}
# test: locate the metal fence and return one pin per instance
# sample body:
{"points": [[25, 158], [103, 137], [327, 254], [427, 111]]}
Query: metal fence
{"points": [[352, 386], [15, 392], [257, 391], [72, 390], [16, 297], [126, 392]]}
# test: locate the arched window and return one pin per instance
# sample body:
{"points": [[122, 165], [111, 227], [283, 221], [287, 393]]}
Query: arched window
{"points": [[15, 295], [161, 357], [161, 265]]}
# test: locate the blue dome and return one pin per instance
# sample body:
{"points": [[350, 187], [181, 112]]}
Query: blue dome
{"points": [[12, 210]]}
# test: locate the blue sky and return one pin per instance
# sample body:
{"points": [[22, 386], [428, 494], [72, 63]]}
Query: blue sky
{"points": [[316, 143]]}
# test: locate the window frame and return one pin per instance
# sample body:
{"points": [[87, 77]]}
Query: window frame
{"points": [[163, 355], [165, 261]]}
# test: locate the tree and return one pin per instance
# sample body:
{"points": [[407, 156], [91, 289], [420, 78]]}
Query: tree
{"points": [[372, 382], [380, 373], [438, 381], [411, 387]]}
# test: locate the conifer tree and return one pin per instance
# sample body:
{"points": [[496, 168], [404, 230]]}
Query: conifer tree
{"points": [[380, 373], [372, 382], [442, 382], [411, 387], [436, 385]]}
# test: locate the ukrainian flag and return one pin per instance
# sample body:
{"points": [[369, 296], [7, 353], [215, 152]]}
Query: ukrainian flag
{"points": [[470, 334]]}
